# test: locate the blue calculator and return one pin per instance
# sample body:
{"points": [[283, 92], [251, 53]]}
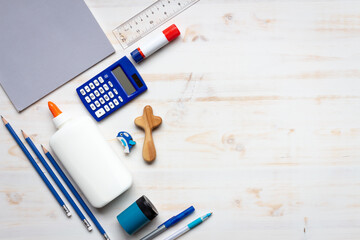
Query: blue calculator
{"points": [[111, 89]]}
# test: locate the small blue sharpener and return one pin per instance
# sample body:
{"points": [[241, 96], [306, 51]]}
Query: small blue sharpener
{"points": [[137, 215]]}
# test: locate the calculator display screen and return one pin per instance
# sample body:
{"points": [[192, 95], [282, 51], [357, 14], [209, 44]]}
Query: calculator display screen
{"points": [[123, 80]]}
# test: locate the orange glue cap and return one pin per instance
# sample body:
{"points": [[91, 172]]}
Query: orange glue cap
{"points": [[54, 109], [59, 117]]}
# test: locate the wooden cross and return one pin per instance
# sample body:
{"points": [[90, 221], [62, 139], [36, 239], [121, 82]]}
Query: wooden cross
{"points": [[148, 122]]}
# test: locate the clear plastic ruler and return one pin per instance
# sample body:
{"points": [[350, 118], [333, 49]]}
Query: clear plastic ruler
{"points": [[149, 19]]}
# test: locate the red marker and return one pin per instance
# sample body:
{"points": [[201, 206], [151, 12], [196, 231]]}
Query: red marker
{"points": [[158, 42]]}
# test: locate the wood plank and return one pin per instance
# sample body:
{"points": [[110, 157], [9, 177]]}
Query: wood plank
{"points": [[260, 102]]}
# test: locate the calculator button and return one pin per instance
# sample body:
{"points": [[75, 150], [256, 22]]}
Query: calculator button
{"points": [[91, 85], [106, 97], [116, 102], [101, 80], [97, 93], [97, 103], [106, 87], [106, 76], [92, 96], [96, 82], [100, 112], [101, 90], [87, 88], [102, 100], [107, 108], [111, 105], [111, 94], [120, 98], [110, 84], [92, 106], [82, 92], [87, 99], [115, 91]]}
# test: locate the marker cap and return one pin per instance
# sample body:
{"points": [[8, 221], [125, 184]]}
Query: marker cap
{"points": [[137, 55], [179, 217], [171, 32]]}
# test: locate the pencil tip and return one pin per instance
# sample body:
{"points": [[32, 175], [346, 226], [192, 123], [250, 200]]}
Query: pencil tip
{"points": [[44, 149], [24, 134], [4, 120]]}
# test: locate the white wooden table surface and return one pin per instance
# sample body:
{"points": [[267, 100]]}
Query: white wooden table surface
{"points": [[260, 103]]}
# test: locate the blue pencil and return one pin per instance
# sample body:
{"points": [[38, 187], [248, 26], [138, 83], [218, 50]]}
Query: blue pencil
{"points": [[76, 194], [37, 168], [57, 181]]}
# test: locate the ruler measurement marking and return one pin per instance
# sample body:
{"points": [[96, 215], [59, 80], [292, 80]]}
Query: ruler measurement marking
{"points": [[149, 19]]}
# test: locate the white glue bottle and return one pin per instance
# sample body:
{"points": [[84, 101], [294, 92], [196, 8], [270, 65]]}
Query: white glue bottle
{"points": [[88, 158]]}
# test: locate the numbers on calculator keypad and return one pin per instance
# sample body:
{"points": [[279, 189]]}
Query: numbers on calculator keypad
{"points": [[100, 112], [100, 95]]}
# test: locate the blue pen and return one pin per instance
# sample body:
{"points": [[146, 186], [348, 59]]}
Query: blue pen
{"points": [[76, 194], [57, 181], [170, 222], [37, 168], [188, 227]]}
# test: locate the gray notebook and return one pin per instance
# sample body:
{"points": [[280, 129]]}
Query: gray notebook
{"points": [[44, 44]]}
